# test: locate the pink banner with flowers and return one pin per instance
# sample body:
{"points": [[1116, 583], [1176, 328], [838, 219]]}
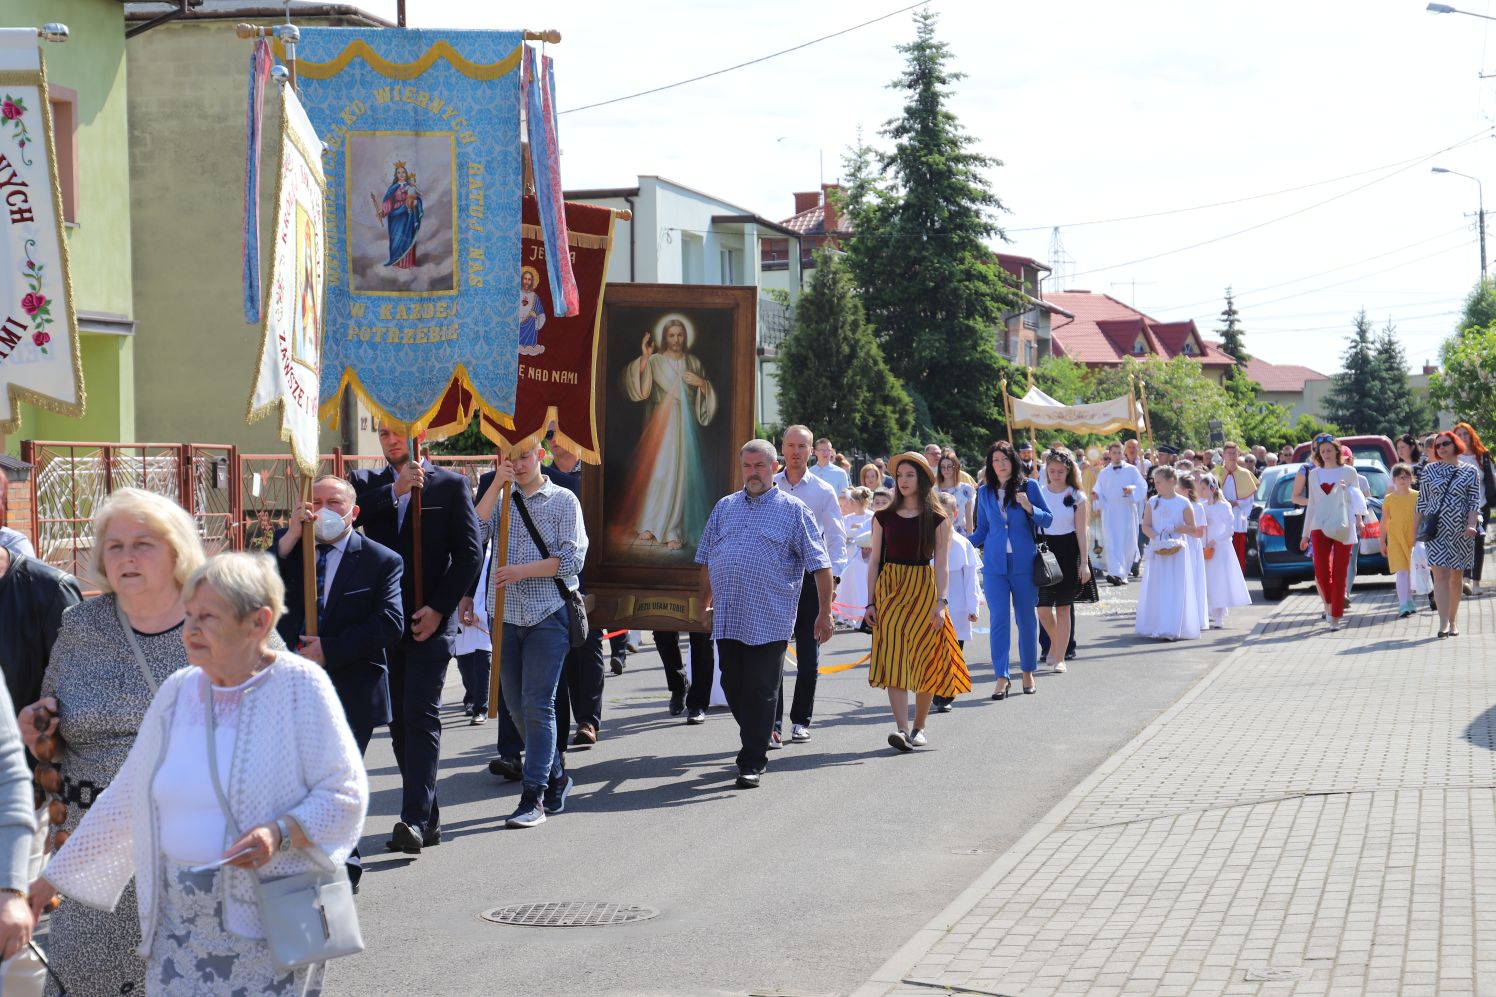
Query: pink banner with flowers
{"points": [[39, 362]]}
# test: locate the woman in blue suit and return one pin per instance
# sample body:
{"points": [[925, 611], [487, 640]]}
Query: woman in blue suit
{"points": [[1009, 506]]}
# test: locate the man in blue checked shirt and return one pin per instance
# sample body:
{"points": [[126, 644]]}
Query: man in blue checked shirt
{"points": [[758, 546]]}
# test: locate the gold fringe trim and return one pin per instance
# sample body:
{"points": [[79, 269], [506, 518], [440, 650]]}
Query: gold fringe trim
{"points": [[328, 411], [581, 240], [17, 395], [359, 49]]}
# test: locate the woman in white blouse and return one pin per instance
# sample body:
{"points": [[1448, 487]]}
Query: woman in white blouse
{"points": [[287, 765], [1331, 496]]}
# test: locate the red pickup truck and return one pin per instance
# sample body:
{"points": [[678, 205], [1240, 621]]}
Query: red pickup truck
{"points": [[1377, 448]]}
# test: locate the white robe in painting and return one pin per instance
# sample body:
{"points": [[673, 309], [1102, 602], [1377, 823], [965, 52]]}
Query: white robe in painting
{"points": [[1225, 586], [1120, 515], [1168, 606], [671, 502]]}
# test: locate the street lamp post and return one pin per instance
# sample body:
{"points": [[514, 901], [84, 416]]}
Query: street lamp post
{"points": [[1444, 8], [1480, 194]]}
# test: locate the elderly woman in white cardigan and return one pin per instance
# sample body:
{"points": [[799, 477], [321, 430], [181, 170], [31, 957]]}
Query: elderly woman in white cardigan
{"points": [[288, 767]]}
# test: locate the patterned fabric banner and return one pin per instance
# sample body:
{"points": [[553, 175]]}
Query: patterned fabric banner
{"points": [[424, 179], [1036, 410], [286, 376], [39, 361], [545, 159], [558, 356], [260, 64]]}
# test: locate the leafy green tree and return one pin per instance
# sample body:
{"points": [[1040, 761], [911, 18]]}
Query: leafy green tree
{"points": [[1355, 392], [1480, 306], [1306, 427], [1063, 379], [1182, 400], [1262, 423], [1231, 332], [922, 215], [833, 377], [1465, 384], [470, 441]]}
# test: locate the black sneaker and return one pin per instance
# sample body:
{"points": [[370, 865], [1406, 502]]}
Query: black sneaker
{"points": [[944, 704], [899, 741], [1069, 655], [509, 768], [677, 704], [530, 812], [557, 792], [747, 780], [696, 716], [615, 663]]}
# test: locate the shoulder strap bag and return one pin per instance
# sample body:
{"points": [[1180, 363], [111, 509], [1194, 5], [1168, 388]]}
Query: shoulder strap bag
{"points": [[1047, 571], [1428, 528], [309, 917], [576, 608], [140, 659]]}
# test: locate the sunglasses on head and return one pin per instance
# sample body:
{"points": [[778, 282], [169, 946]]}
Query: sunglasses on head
{"points": [[1324, 438]]}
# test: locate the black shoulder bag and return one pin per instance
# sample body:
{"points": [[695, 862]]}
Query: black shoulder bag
{"points": [[1047, 571], [1428, 527], [576, 610]]}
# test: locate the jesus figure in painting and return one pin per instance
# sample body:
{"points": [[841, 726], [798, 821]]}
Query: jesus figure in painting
{"points": [[665, 500]]}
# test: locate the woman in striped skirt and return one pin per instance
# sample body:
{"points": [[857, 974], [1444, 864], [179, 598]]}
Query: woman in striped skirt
{"points": [[914, 642]]}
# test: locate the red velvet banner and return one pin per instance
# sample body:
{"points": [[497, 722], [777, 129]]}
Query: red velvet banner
{"points": [[558, 356]]}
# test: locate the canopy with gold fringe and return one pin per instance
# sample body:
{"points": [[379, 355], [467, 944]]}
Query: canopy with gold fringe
{"points": [[424, 174], [1036, 410]]}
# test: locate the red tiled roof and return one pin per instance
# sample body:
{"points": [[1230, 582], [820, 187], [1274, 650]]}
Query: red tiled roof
{"points": [[811, 221], [1281, 377], [1105, 331]]}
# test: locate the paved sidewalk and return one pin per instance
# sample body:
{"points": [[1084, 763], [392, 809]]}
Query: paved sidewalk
{"points": [[1317, 816]]}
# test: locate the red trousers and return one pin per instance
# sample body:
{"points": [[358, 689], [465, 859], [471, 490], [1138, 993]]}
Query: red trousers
{"points": [[1331, 562], [1239, 541]]}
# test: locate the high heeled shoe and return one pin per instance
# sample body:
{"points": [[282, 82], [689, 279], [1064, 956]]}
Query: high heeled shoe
{"points": [[1003, 692], [1029, 690]]}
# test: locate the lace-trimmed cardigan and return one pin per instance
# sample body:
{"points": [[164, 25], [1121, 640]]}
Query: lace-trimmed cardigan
{"points": [[293, 755]]}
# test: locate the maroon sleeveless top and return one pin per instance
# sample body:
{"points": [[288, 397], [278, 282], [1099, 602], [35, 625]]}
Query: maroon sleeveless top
{"points": [[900, 538]]}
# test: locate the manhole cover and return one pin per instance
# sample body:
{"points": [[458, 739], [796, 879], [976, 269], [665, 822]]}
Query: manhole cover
{"points": [[569, 914], [1276, 974]]}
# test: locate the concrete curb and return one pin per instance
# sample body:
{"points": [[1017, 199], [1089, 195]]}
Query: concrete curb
{"points": [[891, 973]]}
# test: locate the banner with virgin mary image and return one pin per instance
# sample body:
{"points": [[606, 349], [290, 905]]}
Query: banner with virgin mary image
{"points": [[39, 359], [291, 334], [424, 180]]}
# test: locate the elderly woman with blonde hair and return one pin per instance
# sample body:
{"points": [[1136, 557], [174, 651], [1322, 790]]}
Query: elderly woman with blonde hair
{"points": [[110, 656], [244, 768]]}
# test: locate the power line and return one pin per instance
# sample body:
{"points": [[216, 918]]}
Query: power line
{"points": [[1242, 200], [750, 62], [1279, 218], [1345, 266]]}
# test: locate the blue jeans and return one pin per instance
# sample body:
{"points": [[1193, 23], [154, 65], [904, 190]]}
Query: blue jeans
{"points": [[1013, 598], [529, 673]]}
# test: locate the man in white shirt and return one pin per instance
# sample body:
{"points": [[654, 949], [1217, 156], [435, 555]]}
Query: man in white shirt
{"points": [[797, 481], [826, 469], [1119, 493], [1239, 486]]}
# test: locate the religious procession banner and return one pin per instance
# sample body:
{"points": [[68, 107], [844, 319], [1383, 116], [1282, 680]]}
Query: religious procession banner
{"points": [[286, 376], [1036, 410], [424, 179], [39, 360], [558, 355]]}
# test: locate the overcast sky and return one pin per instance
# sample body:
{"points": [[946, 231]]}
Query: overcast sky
{"points": [[1098, 110]]}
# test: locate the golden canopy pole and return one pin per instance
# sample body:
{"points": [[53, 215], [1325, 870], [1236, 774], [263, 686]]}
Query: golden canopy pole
{"points": [[1133, 409], [1147, 419], [1033, 440], [1007, 411]]}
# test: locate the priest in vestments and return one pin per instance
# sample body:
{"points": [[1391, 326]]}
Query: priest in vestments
{"points": [[1119, 494]]}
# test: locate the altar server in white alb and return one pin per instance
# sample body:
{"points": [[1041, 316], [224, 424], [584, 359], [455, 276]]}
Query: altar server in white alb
{"points": [[1119, 493]]}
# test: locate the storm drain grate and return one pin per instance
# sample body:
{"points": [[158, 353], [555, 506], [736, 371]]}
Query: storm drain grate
{"points": [[569, 914]]}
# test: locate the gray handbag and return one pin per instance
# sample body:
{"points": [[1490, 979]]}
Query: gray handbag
{"points": [[309, 917]]}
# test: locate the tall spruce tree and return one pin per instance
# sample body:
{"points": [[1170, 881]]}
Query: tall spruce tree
{"points": [[1231, 332], [1398, 409], [832, 374], [1355, 392], [921, 216]]}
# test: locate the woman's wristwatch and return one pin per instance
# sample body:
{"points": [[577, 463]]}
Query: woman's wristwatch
{"points": [[285, 834]]}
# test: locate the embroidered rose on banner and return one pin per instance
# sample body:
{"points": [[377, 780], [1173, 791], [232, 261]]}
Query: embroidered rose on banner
{"points": [[13, 115], [34, 302]]}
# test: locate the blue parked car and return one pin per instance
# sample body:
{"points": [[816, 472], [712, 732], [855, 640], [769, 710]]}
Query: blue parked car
{"points": [[1280, 526]]}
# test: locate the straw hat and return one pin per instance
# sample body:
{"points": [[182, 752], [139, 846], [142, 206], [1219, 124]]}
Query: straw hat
{"points": [[911, 457]]}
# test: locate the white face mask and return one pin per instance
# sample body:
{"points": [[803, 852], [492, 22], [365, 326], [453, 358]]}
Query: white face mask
{"points": [[328, 525]]}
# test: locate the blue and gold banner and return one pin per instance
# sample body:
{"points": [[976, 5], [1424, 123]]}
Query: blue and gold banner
{"points": [[424, 182]]}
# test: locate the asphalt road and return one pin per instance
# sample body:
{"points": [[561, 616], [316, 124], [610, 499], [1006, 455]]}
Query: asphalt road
{"points": [[804, 886]]}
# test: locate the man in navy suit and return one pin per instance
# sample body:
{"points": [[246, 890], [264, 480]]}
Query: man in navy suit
{"points": [[359, 613], [451, 554]]}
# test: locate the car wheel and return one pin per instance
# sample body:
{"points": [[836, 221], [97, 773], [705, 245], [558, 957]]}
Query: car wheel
{"points": [[1274, 589]]}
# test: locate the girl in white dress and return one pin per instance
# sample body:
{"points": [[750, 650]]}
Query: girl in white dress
{"points": [[1167, 602], [851, 595], [964, 563], [1225, 586], [1196, 540]]}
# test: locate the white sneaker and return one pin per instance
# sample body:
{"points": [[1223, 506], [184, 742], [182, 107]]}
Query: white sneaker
{"points": [[799, 732], [917, 738], [1059, 666]]}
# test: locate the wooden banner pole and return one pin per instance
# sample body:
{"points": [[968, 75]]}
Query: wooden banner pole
{"points": [[1147, 418], [418, 587], [1007, 411], [496, 617], [308, 563]]}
